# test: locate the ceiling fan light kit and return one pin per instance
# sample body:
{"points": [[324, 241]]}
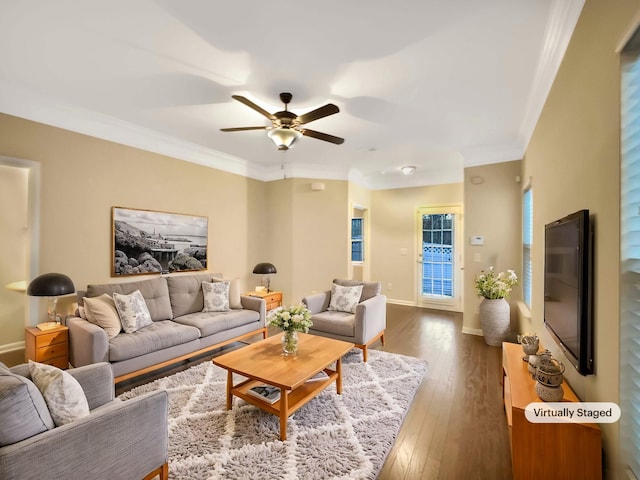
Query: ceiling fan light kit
{"points": [[408, 170], [286, 125], [283, 137]]}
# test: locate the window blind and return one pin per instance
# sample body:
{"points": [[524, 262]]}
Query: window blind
{"points": [[630, 262], [527, 242]]}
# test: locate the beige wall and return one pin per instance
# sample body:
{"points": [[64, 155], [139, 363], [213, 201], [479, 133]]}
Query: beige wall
{"points": [[13, 261], [308, 235], [83, 177], [493, 209], [393, 222], [574, 161]]}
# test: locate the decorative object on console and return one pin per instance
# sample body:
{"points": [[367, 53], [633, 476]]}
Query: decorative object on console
{"points": [[530, 344], [146, 242], [494, 309], [549, 380], [292, 319], [534, 360], [52, 285], [408, 170], [265, 269]]}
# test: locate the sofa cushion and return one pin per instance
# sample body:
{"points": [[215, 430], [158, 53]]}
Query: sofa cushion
{"points": [[62, 393], [102, 312], [154, 291], [369, 289], [333, 322], [214, 322], [185, 292], [345, 299], [157, 336], [216, 296], [23, 411], [133, 311]]}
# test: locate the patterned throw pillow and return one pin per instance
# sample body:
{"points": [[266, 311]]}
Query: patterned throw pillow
{"points": [[216, 296], [133, 311], [62, 393], [345, 299]]}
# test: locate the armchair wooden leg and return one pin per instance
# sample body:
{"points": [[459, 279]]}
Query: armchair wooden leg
{"points": [[364, 353], [162, 470]]}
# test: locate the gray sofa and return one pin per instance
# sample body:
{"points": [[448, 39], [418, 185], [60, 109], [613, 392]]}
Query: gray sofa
{"points": [[116, 441], [180, 328]]}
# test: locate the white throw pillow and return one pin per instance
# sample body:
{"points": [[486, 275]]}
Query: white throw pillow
{"points": [[216, 296], [133, 311], [102, 311], [345, 299], [62, 393]]}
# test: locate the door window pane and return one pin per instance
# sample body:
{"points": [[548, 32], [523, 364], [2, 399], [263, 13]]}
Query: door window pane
{"points": [[437, 254]]}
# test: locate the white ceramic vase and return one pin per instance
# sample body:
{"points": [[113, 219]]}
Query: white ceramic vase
{"points": [[494, 320]]}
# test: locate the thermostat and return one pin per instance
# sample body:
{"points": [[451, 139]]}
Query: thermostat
{"points": [[477, 240]]}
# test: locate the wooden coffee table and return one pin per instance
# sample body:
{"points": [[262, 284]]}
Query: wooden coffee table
{"points": [[264, 363]]}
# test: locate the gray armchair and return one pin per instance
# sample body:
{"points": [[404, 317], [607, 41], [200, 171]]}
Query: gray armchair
{"points": [[362, 328], [117, 440]]}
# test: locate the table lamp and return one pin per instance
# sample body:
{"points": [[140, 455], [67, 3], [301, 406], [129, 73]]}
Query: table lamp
{"points": [[265, 269], [52, 285]]}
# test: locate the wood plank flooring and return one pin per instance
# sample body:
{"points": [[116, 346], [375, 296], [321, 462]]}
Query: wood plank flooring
{"points": [[456, 427]]}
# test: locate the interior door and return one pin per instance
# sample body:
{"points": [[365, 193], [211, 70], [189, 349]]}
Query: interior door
{"points": [[440, 257]]}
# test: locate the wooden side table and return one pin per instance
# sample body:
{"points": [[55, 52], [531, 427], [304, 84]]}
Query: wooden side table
{"points": [[272, 299], [48, 346]]}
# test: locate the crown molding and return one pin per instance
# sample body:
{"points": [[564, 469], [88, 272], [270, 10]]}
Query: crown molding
{"points": [[563, 17], [30, 105]]}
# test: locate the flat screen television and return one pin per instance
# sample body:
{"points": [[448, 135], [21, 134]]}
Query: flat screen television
{"points": [[568, 284]]}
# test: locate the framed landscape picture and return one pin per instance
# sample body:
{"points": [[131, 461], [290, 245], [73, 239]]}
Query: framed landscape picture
{"points": [[147, 241]]}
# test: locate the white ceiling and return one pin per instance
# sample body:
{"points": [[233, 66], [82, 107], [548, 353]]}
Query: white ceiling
{"points": [[439, 84]]}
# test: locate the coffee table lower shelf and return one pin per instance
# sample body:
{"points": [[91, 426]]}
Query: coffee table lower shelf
{"points": [[290, 400]]}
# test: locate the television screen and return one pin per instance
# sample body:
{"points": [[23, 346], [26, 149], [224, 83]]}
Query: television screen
{"points": [[567, 287]]}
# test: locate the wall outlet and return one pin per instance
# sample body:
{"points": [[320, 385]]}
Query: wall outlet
{"points": [[389, 286]]}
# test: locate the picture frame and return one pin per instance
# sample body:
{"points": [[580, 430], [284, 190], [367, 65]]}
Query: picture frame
{"points": [[145, 242]]}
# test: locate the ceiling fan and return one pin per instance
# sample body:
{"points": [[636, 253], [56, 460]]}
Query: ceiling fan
{"points": [[287, 127]]}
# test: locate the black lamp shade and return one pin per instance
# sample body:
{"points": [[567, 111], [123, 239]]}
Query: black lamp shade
{"points": [[50, 285], [264, 268]]}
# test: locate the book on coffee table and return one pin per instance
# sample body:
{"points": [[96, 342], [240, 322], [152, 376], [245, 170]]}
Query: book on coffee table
{"points": [[321, 375], [265, 392]]}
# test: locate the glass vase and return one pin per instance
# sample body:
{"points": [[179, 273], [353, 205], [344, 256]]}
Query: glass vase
{"points": [[290, 343]]}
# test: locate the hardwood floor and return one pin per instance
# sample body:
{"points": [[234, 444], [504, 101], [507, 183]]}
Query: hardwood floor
{"points": [[456, 427]]}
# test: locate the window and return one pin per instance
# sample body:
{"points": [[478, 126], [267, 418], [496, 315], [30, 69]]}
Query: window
{"points": [[356, 240], [630, 257], [527, 242]]}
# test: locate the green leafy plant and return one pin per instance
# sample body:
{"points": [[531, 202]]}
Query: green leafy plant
{"points": [[295, 318], [492, 285]]}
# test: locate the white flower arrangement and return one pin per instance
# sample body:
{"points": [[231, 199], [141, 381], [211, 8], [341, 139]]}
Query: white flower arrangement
{"points": [[295, 318], [491, 285]]}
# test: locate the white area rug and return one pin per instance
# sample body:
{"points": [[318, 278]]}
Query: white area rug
{"points": [[333, 436]]}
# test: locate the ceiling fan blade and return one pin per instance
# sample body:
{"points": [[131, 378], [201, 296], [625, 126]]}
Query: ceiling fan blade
{"points": [[324, 111], [250, 104], [322, 136], [240, 129]]}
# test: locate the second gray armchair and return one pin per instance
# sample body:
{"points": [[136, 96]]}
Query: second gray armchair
{"points": [[362, 327]]}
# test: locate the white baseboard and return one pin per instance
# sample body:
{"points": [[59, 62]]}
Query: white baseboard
{"points": [[472, 331], [11, 347], [401, 302]]}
